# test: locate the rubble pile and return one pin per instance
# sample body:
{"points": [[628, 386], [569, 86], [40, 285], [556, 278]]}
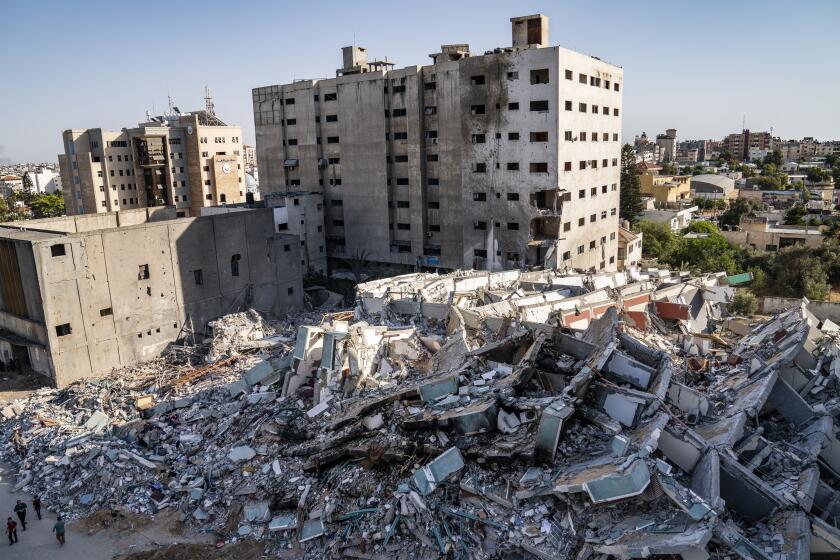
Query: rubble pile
{"points": [[473, 415]]}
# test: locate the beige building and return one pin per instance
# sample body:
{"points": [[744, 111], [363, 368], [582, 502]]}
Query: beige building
{"points": [[491, 161], [185, 160], [764, 235], [665, 188]]}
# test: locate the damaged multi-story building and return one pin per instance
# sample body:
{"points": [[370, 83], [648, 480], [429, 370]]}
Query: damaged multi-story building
{"points": [[81, 295], [490, 161], [185, 160]]}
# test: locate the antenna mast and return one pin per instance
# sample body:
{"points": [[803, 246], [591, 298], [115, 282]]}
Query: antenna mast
{"points": [[208, 101]]}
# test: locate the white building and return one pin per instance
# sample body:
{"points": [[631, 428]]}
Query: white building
{"points": [[45, 181]]}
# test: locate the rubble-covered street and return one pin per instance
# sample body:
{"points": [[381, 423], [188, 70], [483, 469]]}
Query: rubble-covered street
{"points": [[469, 415]]}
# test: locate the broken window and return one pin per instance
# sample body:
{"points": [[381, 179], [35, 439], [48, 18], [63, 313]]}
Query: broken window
{"points": [[539, 76], [234, 264], [198, 275], [513, 75], [477, 109], [477, 80], [330, 96], [58, 250], [143, 274], [63, 330]]}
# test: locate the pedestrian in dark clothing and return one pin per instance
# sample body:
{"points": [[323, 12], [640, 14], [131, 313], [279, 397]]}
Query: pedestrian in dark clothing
{"points": [[11, 530], [36, 503], [58, 528], [20, 510]]}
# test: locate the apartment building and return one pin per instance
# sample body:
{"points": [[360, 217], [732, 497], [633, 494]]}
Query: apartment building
{"points": [[668, 144], [739, 144], [187, 160], [488, 161]]}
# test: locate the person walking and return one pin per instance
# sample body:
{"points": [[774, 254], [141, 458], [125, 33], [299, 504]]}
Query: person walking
{"points": [[36, 503], [11, 530], [58, 528], [20, 510]]}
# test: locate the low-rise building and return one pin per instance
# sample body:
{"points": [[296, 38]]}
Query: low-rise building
{"points": [[45, 181], [665, 188], [764, 235], [81, 295], [629, 248], [711, 186], [677, 220], [774, 198]]}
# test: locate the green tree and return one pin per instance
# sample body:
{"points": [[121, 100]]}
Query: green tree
{"points": [[795, 216], [668, 168], [817, 174], [658, 241], [630, 199], [774, 157], [27, 183], [744, 303], [5, 212], [47, 205], [737, 208], [758, 285], [814, 280]]}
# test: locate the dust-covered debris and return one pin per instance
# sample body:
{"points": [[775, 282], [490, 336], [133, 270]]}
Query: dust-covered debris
{"points": [[471, 415]]}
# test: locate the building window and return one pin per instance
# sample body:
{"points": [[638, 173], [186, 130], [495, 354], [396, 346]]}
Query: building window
{"points": [[404, 226], [569, 75], [402, 180], [481, 253], [434, 205], [568, 105], [615, 86], [593, 218], [477, 80], [332, 139], [513, 166], [234, 264], [143, 273], [567, 226], [198, 276], [580, 249], [567, 166], [539, 76], [538, 167], [290, 101], [58, 250], [291, 291], [63, 330], [513, 75], [334, 118], [539, 137], [513, 225], [541, 105], [615, 112], [582, 107], [479, 168], [593, 192], [432, 181], [105, 312], [582, 193], [330, 96], [512, 196], [581, 222], [513, 136], [582, 78], [582, 165], [479, 197], [513, 106], [403, 204], [477, 109], [479, 225], [478, 139]]}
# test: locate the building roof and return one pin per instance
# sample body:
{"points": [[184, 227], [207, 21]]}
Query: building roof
{"points": [[721, 181]]}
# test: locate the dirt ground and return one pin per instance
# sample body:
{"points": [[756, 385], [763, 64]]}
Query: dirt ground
{"points": [[243, 550]]}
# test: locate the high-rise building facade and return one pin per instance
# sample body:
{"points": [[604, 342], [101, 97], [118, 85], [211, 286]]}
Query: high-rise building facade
{"points": [[183, 160], [489, 161]]}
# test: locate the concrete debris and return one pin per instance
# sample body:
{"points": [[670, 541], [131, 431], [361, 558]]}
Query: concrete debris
{"points": [[469, 415]]}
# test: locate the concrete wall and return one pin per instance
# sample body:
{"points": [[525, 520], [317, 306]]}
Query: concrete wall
{"points": [[126, 292]]}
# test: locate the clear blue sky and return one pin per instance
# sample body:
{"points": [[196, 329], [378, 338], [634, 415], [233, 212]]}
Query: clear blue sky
{"points": [[698, 67]]}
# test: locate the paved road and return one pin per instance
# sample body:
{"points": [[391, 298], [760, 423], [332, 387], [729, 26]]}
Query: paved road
{"points": [[38, 541]]}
